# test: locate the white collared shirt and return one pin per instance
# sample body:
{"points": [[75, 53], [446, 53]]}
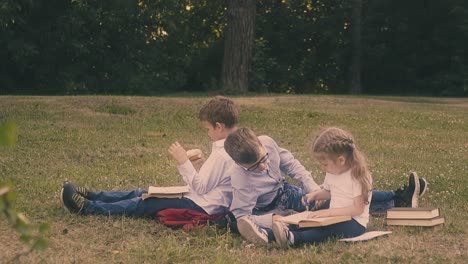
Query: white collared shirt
{"points": [[210, 188]]}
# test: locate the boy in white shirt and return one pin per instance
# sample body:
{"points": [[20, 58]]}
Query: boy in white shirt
{"points": [[210, 187]]}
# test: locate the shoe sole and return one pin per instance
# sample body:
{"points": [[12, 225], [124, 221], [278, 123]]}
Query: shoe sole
{"points": [[415, 197], [280, 237], [61, 200], [249, 233], [425, 187]]}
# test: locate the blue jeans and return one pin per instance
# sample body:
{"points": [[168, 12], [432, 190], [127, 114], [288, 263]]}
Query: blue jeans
{"points": [[291, 198], [382, 201], [130, 204], [319, 234]]}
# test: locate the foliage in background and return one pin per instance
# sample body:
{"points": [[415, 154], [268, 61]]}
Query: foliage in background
{"points": [[155, 47], [31, 235]]}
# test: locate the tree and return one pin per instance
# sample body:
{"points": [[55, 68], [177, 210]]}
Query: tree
{"points": [[238, 44], [356, 48]]}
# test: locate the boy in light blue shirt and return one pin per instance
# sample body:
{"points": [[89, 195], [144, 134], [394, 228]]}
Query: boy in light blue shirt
{"points": [[258, 183]]}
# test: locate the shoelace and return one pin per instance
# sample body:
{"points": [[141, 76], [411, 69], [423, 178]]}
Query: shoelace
{"points": [[82, 190], [78, 200]]}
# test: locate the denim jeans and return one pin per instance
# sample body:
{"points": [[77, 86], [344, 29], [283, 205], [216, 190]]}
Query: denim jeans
{"points": [[382, 201], [130, 204], [319, 234], [291, 199]]}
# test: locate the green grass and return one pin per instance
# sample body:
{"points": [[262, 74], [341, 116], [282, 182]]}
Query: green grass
{"points": [[120, 143]]}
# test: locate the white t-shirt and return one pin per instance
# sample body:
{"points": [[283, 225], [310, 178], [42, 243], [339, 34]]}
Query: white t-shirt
{"points": [[343, 189]]}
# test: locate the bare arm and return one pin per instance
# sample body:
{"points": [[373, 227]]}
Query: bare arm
{"points": [[321, 194], [354, 210]]}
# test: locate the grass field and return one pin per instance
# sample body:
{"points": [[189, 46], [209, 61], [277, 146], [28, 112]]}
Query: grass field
{"points": [[120, 143]]}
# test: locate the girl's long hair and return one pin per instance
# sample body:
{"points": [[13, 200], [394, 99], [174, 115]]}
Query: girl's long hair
{"points": [[334, 142]]}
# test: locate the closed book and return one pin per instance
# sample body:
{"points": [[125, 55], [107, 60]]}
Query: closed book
{"points": [[412, 213], [417, 222], [301, 220], [166, 192]]}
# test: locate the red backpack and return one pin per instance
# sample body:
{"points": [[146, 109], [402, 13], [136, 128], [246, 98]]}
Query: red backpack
{"points": [[186, 218]]}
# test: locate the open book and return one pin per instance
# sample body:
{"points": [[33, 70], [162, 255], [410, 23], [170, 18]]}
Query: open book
{"points": [[166, 192], [301, 220]]}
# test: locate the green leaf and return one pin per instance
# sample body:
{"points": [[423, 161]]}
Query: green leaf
{"points": [[25, 238], [41, 244], [43, 228], [22, 223]]}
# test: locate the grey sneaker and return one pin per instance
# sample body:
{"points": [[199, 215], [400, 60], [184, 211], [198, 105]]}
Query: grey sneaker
{"points": [[283, 236], [71, 200], [80, 190], [252, 232]]}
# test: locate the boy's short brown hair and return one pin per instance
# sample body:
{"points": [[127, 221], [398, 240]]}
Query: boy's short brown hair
{"points": [[243, 146], [220, 110]]}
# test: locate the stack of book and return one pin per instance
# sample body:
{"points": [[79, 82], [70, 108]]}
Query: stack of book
{"points": [[423, 216]]}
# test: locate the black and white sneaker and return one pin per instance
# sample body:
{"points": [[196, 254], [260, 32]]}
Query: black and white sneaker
{"points": [[80, 190], [252, 232], [71, 200], [283, 237], [413, 189], [408, 195]]}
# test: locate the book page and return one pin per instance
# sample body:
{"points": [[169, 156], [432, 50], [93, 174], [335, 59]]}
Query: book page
{"points": [[294, 218], [366, 236], [298, 218], [168, 190]]}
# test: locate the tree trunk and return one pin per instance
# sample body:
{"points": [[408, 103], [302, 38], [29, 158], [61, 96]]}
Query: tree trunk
{"points": [[238, 44], [356, 42]]}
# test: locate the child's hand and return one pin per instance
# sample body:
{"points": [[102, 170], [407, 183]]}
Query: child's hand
{"points": [[178, 153], [319, 213], [309, 198]]}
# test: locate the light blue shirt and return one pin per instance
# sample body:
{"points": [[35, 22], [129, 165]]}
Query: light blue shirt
{"points": [[251, 189]]}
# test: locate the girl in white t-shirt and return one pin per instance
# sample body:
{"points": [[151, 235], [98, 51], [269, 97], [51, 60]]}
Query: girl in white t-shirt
{"points": [[348, 185]]}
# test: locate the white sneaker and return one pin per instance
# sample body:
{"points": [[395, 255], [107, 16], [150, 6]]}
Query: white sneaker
{"points": [[283, 236], [252, 232]]}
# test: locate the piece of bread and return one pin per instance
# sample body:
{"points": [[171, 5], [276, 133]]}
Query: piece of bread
{"points": [[194, 154]]}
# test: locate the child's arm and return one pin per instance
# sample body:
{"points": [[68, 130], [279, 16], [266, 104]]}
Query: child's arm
{"points": [[294, 169], [356, 209], [244, 195], [211, 175], [321, 194], [178, 153]]}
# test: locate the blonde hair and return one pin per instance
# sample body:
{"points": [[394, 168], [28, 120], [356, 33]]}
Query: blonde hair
{"points": [[243, 146], [334, 142]]}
